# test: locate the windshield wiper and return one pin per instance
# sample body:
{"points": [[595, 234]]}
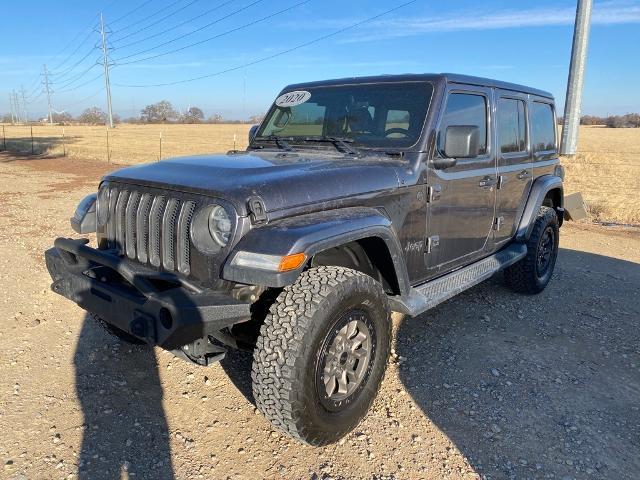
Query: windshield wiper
{"points": [[281, 142], [343, 142]]}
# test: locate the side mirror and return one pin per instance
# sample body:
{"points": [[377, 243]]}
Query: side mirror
{"points": [[252, 132], [462, 141]]}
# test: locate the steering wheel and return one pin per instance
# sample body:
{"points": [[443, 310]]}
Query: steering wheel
{"points": [[401, 131]]}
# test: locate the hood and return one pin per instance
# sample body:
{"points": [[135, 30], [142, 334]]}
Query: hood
{"points": [[281, 180]]}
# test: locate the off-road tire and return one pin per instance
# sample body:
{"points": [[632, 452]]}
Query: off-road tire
{"points": [[289, 349], [116, 332], [523, 276]]}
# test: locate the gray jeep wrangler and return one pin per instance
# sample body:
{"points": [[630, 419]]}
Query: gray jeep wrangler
{"points": [[355, 198]]}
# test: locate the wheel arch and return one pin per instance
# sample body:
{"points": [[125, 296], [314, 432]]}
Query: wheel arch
{"points": [[361, 238], [547, 190], [369, 255]]}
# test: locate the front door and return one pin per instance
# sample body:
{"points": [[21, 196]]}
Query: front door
{"points": [[462, 197], [515, 163]]}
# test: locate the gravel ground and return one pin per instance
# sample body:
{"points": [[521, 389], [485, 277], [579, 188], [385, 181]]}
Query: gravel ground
{"points": [[490, 384]]}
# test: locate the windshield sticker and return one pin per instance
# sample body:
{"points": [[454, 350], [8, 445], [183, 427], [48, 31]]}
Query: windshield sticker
{"points": [[292, 99]]}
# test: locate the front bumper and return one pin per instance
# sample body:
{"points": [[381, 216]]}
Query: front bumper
{"points": [[159, 308]]}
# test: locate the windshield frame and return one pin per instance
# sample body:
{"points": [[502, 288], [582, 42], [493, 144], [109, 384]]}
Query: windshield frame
{"points": [[299, 141]]}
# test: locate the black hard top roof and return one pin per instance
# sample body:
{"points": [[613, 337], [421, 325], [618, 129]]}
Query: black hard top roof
{"points": [[434, 77]]}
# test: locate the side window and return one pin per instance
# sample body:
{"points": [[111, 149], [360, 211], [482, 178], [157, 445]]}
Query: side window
{"points": [[512, 136], [465, 109], [543, 130]]}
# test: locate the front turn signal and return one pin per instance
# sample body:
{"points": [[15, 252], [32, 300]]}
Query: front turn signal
{"points": [[291, 262]]}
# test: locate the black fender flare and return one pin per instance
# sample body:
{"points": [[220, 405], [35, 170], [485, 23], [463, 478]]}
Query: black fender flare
{"points": [[539, 190], [310, 234]]}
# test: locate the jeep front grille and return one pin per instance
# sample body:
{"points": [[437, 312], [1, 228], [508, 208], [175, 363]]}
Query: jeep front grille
{"points": [[153, 229]]}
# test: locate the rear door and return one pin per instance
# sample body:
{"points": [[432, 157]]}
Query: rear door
{"points": [[515, 162], [462, 197]]}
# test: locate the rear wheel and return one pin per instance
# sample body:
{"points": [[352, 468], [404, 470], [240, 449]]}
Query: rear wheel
{"points": [[321, 354], [533, 273]]}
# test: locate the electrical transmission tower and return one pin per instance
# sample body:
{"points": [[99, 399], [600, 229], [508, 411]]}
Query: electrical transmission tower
{"points": [[13, 114], [24, 104], [48, 90], [105, 60], [573, 103], [16, 107]]}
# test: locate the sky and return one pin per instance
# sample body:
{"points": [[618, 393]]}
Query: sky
{"points": [[248, 50]]}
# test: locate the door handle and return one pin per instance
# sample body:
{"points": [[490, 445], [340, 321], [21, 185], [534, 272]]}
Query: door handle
{"points": [[524, 174], [488, 182]]}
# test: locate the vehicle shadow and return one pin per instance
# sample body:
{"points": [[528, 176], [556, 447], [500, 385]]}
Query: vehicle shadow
{"points": [[544, 386], [124, 428], [237, 365]]}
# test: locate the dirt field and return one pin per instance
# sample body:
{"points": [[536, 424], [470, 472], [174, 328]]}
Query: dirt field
{"points": [[488, 385], [606, 171]]}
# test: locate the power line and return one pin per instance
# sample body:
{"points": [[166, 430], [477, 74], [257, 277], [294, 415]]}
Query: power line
{"points": [[130, 12], [61, 78], [73, 80], [78, 102], [279, 54], [203, 14], [78, 47], [233, 30], [148, 17], [82, 84], [35, 99]]}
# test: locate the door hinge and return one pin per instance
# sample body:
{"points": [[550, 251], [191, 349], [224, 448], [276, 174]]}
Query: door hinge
{"points": [[497, 223], [433, 193], [432, 243], [501, 181]]}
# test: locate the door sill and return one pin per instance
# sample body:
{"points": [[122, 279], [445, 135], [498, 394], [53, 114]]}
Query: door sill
{"points": [[429, 294]]}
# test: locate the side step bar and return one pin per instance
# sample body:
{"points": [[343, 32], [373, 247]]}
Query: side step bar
{"points": [[427, 295]]}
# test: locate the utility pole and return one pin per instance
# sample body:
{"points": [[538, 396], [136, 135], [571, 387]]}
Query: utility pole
{"points": [[24, 104], [105, 55], [48, 90], [575, 83]]}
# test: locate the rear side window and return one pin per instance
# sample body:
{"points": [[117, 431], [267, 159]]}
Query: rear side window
{"points": [[512, 130], [543, 130], [465, 109]]}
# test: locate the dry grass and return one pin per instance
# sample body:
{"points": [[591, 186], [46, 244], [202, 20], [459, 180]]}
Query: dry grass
{"points": [[128, 144], [606, 171]]}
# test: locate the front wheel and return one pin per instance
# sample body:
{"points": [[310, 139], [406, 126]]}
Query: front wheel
{"points": [[322, 353], [533, 273]]}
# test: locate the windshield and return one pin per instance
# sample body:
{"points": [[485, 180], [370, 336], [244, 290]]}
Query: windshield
{"points": [[382, 115]]}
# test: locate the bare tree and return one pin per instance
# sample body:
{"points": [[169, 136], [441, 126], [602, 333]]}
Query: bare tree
{"points": [[93, 116], [193, 115], [158, 112], [215, 118], [256, 118], [63, 118]]}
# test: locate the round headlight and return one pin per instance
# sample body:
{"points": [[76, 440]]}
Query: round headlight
{"points": [[219, 225]]}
